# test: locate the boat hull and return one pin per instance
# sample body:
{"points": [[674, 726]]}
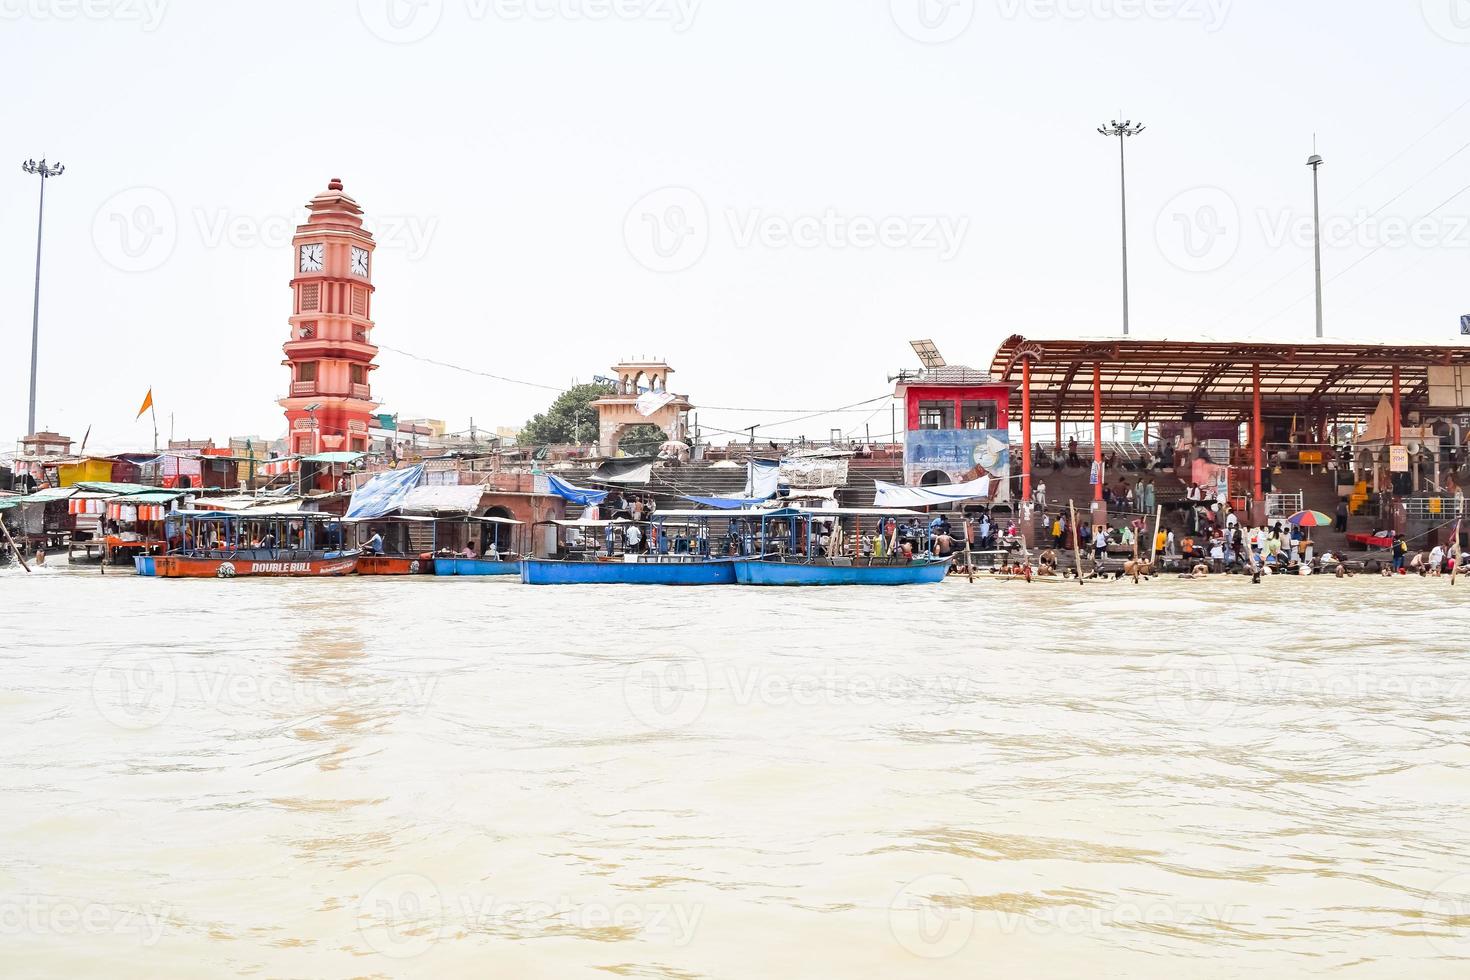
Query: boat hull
{"points": [[144, 565], [759, 572], [388, 565], [715, 572], [182, 566], [475, 567]]}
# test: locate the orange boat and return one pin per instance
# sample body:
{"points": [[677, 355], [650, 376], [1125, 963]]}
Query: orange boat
{"points": [[190, 566], [263, 542], [395, 565]]}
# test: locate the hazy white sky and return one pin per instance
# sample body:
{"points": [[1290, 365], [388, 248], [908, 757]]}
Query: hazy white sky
{"points": [[775, 195]]}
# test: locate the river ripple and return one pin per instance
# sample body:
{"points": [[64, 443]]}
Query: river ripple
{"points": [[473, 778]]}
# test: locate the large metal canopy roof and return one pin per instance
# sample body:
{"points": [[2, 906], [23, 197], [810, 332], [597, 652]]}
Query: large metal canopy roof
{"points": [[1164, 379]]}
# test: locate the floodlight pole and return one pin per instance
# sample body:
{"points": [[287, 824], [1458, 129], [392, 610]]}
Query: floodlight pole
{"points": [[1315, 162], [1122, 130], [44, 171]]}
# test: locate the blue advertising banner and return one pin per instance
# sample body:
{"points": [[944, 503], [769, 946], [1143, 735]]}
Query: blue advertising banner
{"points": [[961, 455]]}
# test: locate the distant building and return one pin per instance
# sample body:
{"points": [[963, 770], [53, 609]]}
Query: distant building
{"points": [[45, 444], [641, 397]]}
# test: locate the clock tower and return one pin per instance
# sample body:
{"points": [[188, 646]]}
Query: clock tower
{"points": [[329, 405]]}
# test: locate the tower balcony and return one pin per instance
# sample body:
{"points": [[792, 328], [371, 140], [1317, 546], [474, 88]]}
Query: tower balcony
{"points": [[313, 389]]}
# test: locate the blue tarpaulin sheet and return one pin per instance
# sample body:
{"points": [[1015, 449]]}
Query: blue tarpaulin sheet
{"points": [[727, 503], [384, 493], [564, 490]]}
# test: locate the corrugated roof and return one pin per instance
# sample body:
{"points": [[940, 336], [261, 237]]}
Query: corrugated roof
{"points": [[1164, 379]]}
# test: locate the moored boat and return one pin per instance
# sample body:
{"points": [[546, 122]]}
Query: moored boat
{"points": [[671, 548], [216, 544], [294, 565], [394, 565], [632, 570], [805, 546], [854, 571], [474, 567]]}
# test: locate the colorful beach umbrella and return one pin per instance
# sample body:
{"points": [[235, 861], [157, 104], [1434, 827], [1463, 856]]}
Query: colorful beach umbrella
{"points": [[1310, 518]]}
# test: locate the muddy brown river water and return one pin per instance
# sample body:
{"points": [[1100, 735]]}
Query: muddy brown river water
{"points": [[440, 778]]}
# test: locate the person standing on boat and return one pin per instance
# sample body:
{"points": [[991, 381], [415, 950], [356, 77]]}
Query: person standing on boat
{"points": [[633, 537]]}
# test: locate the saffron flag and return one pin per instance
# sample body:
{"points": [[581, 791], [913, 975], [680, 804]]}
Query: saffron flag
{"points": [[147, 404]]}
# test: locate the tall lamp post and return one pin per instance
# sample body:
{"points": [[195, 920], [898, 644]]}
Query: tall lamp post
{"points": [[1315, 162], [42, 170], [1122, 130]]}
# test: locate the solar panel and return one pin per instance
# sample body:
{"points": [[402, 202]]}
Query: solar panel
{"points": [[929, 355]]}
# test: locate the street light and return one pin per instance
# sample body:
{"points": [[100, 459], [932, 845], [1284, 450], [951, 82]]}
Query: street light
{"points": [[42, 170], [1315, 162], [316, 433], [1123, 130]]}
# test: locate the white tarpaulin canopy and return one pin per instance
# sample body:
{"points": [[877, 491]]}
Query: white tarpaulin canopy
{"points": [[893, 495], [442, 499], [651, 401]]}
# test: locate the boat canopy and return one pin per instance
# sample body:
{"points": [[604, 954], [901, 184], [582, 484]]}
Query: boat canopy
{"points": [[427, 519], [659, 515], [238, 504], [291, 512], [586, 523], [842, 512], [726, 503]]}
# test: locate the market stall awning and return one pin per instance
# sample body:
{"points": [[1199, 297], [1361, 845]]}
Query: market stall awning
{"points": [[47, 495]]}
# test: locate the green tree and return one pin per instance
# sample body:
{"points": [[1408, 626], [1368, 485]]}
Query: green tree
{"points": [[642, 440], [571, 419]]}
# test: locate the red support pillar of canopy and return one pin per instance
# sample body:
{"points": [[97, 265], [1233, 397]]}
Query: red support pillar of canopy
{"points": [[1258, 499], [1025, 429], [1397, 432], [1097, 488], [1397, 409]]}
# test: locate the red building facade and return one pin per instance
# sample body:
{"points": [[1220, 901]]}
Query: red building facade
{"points": [[956, 429]]}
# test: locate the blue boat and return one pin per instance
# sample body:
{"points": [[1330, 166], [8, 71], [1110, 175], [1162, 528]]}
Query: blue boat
{"points": [[462, 545], [822, 546], [144, 565], [671, 548], [797, 571], [643, 570], [476, 566]]}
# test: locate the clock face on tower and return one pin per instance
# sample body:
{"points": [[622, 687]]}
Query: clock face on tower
{"points": [[359, 261], [311, 258]]}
